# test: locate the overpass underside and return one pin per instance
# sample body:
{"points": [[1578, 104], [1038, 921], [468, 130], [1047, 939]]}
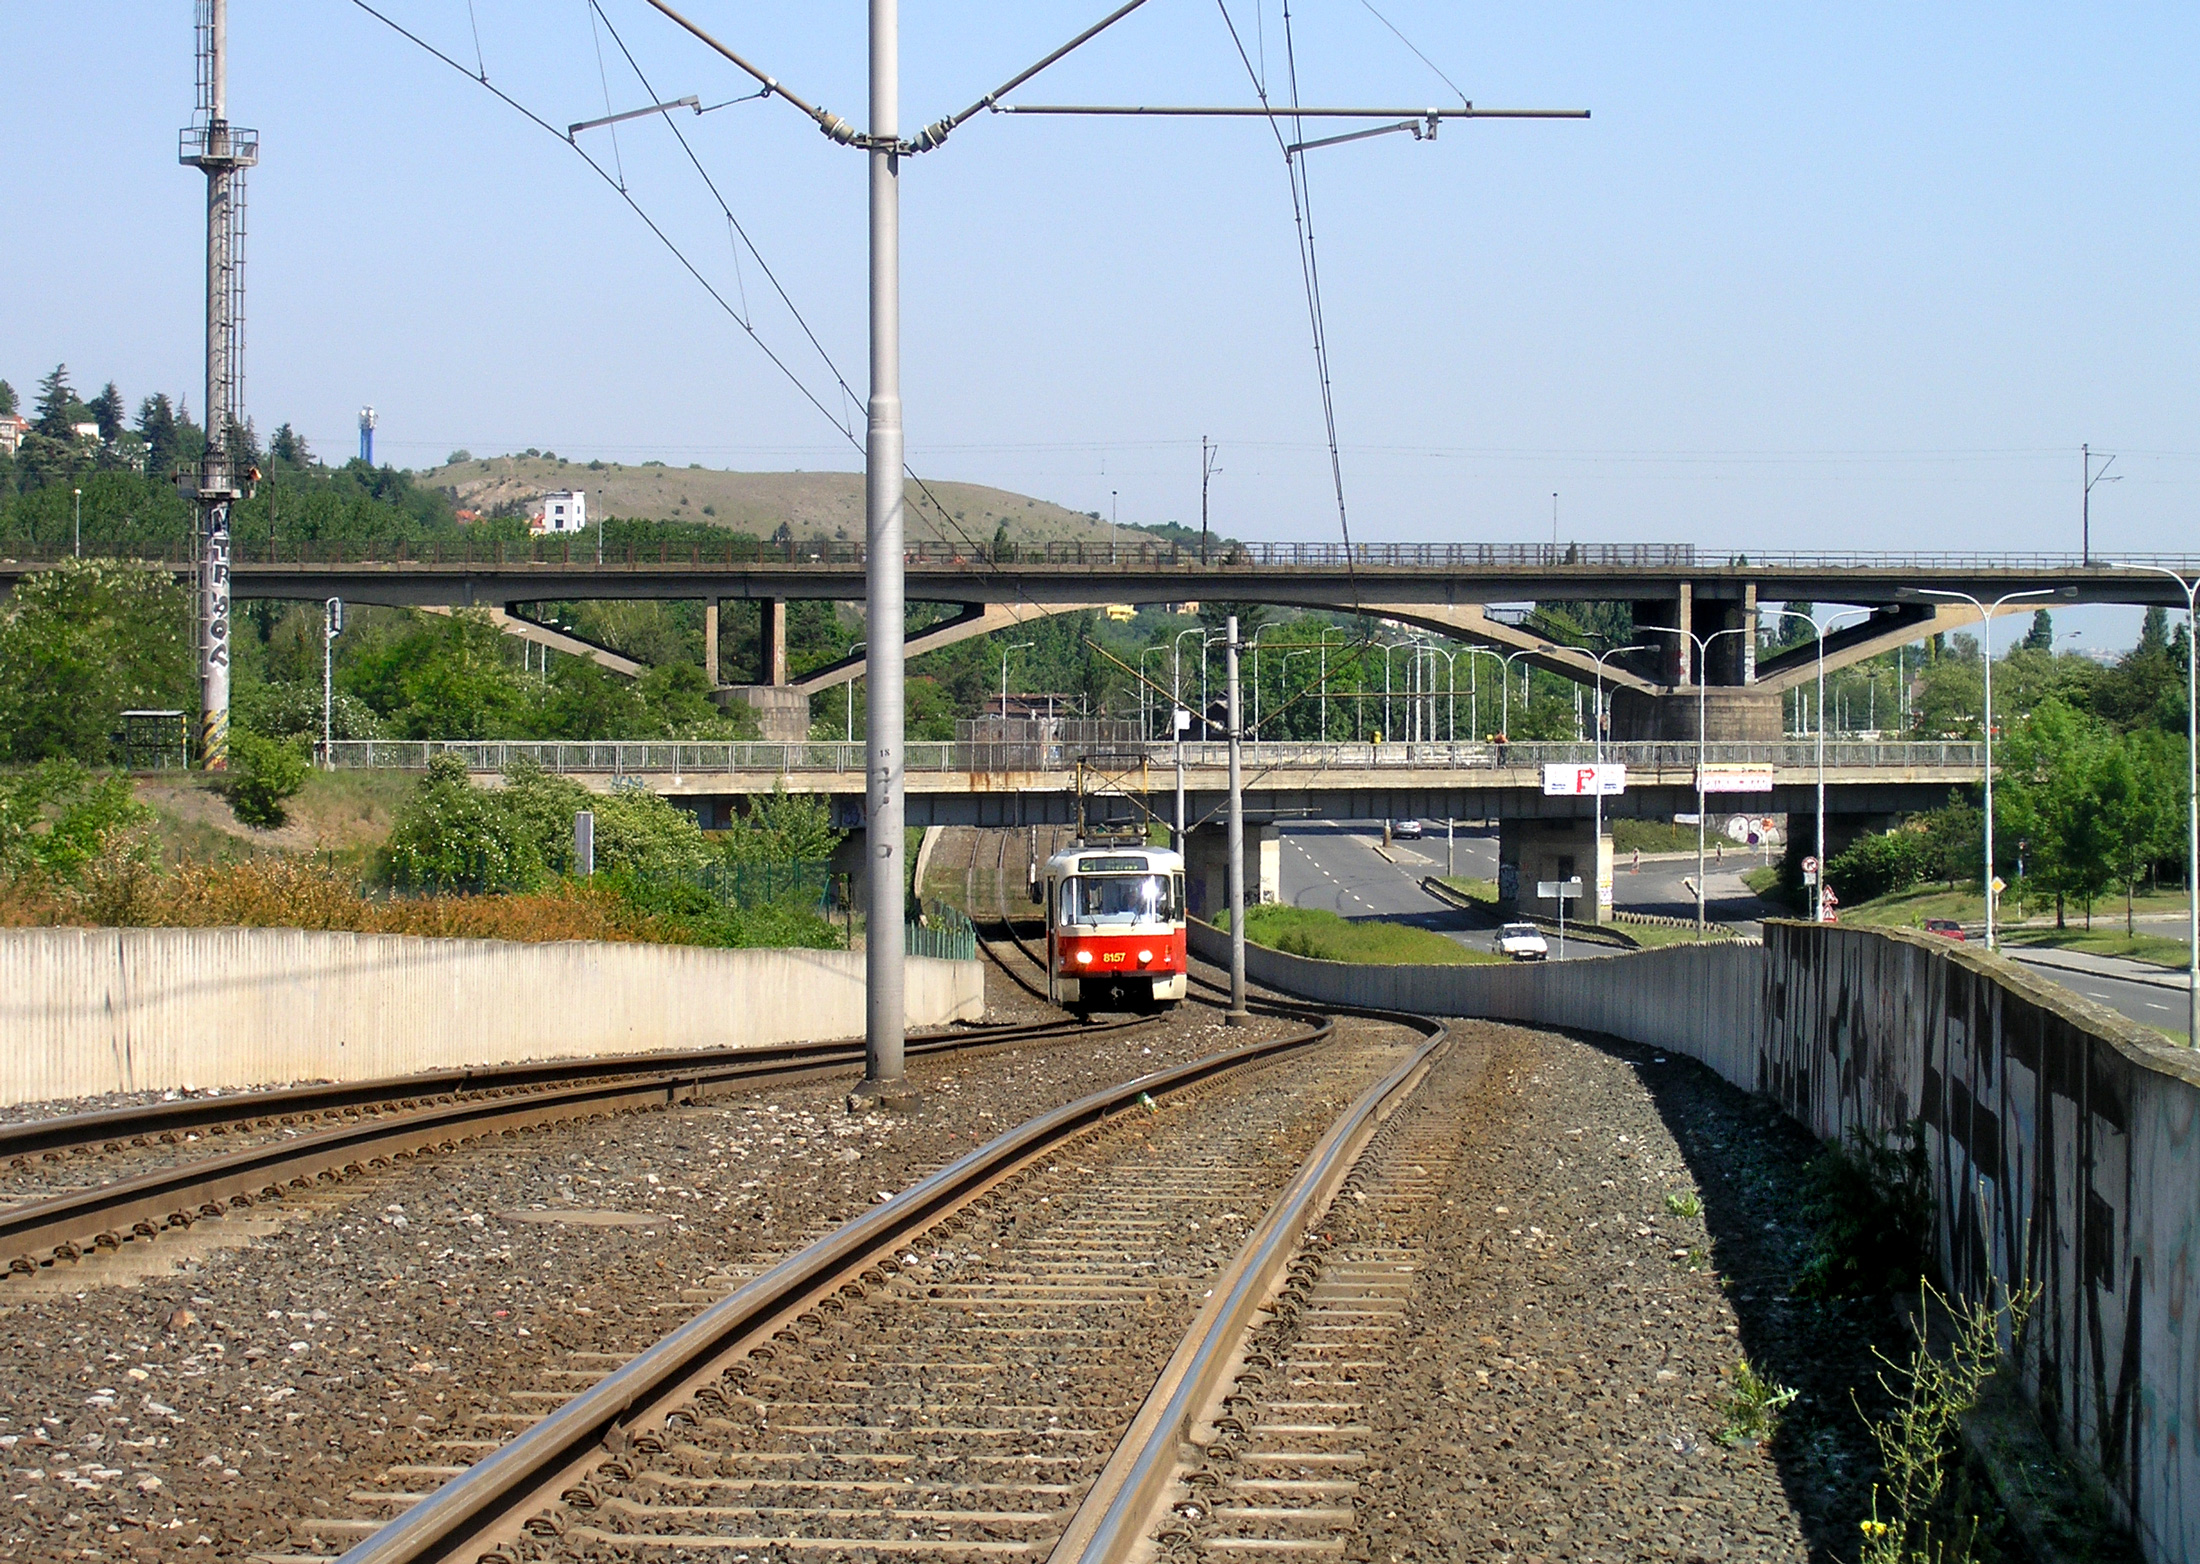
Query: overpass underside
{"points": [[1448, 589]]}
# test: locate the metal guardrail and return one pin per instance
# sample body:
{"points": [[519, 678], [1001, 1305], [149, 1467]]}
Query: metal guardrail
{"points": [[548, 554], [943, 933], [658, 760]]}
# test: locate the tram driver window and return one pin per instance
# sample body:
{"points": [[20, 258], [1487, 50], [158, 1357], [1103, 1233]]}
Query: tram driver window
{"points": [[1126, 899]]}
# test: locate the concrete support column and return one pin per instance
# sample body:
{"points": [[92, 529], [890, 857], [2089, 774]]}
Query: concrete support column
{"points": [[771, 641], [1207, 868], [1684, 650], [1532, 851], [710, 640], [1749, 641]]}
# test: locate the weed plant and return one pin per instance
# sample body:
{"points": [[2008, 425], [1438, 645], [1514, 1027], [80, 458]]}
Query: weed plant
{"points": [[1750, 1411], [1925, 1523]]}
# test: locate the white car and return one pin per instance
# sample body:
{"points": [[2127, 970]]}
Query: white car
{"points": [[1405, 830], [1523, 942]]}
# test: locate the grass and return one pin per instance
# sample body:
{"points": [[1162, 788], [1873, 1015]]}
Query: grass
{"points": [[1484, 891], [1659, 836], [1655, 936], [1909, 910], [343, 816], [1323, 936], [2102, 941]]}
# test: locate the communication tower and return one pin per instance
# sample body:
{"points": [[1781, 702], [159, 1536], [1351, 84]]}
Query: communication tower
{"points": [[366, 435], [223, 152]]}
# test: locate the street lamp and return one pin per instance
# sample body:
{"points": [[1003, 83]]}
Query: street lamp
{"points": [[1006, 652], [1818, 888], [862, 646], [79, 493], [2192, 801], [1145, 719], [1986, 647], [1703, 718], [1596, 843]]}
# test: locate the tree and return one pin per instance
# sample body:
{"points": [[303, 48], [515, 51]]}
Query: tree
{"points": [[289, 447], [107, 411], [7, 399], [156, 423], [2055, 773], [243, 449], [59, 412], [57, 821], [2041, 637], [451, 835], [2153, 632], [83, 641]]}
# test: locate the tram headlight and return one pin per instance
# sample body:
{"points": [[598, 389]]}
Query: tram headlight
{"points": [[1145, 957], [1084, 958]]}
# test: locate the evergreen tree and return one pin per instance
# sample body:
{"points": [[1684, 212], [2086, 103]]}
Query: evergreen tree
{"points": [[156, 423], [2041, 637], [290, 446], [244, 449], [2153, 633], [59, 412], [108, 412], [7, 399]]}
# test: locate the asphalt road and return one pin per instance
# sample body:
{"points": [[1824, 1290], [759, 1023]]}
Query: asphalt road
{"points": [[2163, 1008], [1335, 866]]}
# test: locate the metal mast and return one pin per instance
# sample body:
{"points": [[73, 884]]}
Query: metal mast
{"points": [[883, 605], [223, 152]]}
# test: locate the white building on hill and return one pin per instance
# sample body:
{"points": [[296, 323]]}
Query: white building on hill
{"points": [[566, 510]]}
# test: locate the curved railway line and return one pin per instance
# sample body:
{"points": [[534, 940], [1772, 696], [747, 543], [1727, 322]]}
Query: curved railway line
{"points": [[303, 1137], [1000, 1362]]}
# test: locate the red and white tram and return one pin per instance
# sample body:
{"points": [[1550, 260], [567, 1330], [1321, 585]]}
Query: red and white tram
{"points": [[1115, 928]]}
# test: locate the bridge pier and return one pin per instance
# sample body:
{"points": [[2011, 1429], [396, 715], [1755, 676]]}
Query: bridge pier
{"points": [[1731, 715], [1530, 851], [1207, 868]]}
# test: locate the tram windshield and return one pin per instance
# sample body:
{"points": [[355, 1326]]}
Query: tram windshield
{"points": [[1121, 899]]}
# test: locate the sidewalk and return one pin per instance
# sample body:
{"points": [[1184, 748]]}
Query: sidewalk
{"points": [[2122, 968]]}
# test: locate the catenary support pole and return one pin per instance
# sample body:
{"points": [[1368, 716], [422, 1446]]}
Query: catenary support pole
{"points": [[883, 605], [1237, 1015], [222, 153]]}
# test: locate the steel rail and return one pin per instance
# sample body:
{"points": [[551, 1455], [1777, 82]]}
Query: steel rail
{"points": [[1112, 1521], [113, 1128], [493, 1497], [63, 1227]]}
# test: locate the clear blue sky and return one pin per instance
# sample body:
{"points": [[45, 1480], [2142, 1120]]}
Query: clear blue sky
{"points": [[1861, 275]]}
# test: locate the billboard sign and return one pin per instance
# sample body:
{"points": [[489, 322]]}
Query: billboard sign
{"points": [[1583, 781], [1733, 778]]}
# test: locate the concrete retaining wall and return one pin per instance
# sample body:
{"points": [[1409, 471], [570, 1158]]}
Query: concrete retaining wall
{"points": [[85, 1011], [2064, 1141]]}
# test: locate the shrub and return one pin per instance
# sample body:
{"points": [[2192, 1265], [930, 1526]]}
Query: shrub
{"points": [[452, 835], [1880, 865], [264, 774], [58, 821], [1872, 1201]]}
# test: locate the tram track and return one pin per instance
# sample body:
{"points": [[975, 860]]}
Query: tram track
{"points": [[981, 1367], [304, 1137]]}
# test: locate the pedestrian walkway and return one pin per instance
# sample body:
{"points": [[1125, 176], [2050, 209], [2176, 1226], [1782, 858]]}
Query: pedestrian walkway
{"points": [[2122, 968]]}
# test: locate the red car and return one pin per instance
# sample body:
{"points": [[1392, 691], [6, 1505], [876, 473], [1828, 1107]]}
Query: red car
{"points": [[1946, 926]]}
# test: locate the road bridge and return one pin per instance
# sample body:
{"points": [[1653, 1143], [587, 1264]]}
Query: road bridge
{"points": [[1541, 836], [1445, 588]]}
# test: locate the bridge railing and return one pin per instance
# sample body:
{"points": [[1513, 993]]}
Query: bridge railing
{"points": [[736, 552], [652, 761]]}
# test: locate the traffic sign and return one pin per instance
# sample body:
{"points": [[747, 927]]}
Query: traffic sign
{"points": [[1559, 890], [1810, 864], [1583, 781]]}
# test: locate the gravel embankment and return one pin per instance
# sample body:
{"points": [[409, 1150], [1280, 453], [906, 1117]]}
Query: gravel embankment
{"points": [[1560, 1390], [197, 1414]]}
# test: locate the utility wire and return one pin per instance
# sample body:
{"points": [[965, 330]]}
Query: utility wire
{"points": [[603, 76], [606, 176], [476, 23], [1416, 48]]}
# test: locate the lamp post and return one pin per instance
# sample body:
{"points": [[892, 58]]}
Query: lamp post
{"points": [[1178, 724], [1300, 651], [1703, 718], [1596, 843], [1006, 653], [1818, 889], [79, 493], [332, 625], [863, 646], [2192, 801], [1986, 648], [1145, 720]]}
